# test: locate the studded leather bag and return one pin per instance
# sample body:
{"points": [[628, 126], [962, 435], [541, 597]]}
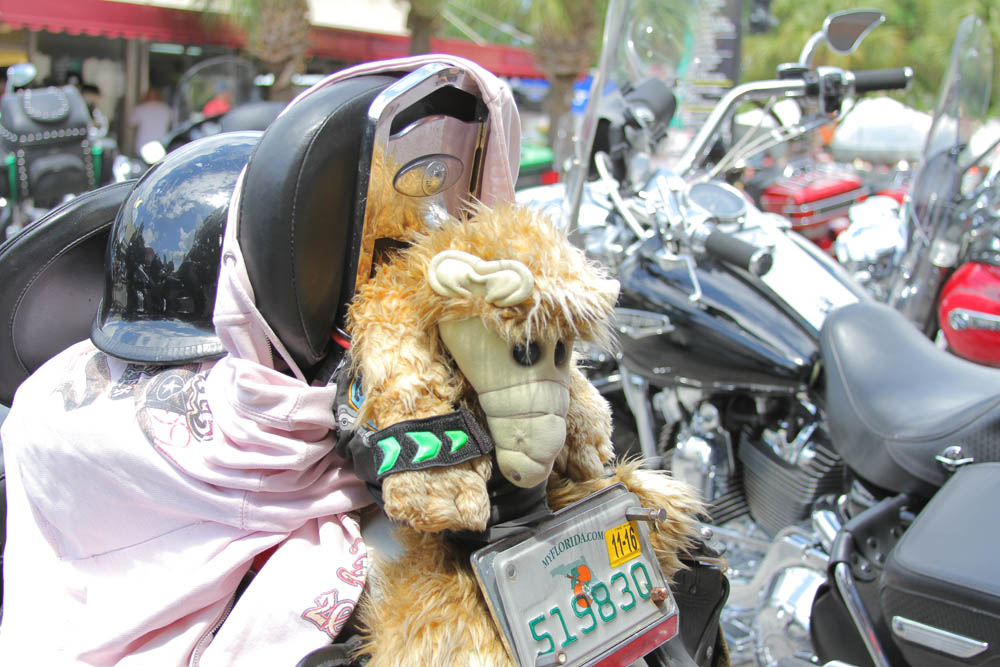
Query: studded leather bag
{"points": [[45, 149]]}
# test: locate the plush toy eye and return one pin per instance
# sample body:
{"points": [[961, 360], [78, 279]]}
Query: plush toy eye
{"points": [[527, 355], [560, 353]]}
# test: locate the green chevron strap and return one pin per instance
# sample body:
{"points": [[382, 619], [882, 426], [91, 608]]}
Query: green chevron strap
{"points": [[417, 444]]}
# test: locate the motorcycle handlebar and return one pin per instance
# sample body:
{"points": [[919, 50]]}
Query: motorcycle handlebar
{"points": [[656, 96], [864, 81], [882, 79], [738, 252]]}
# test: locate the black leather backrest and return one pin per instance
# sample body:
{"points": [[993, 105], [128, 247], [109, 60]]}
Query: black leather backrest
{"points": [[52, 278], [296, 208]]}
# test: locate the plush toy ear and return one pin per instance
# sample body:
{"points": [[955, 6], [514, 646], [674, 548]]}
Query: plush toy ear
{"points": [[504, 282]]}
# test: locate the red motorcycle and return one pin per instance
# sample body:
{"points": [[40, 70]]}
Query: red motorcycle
{"points": [[938, 259]]}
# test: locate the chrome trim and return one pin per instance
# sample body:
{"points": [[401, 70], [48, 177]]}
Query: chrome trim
{"points": [[607, 384], [695, 193], [826, 524], [636, 390], [856, 608], [951, 458], [806, 55], [957, 645], [379, 147], [792, 547], [811, 284], [961, 319], [703, 454], [785, 613], [826, 205], [638, 324], [709, 131], [760, 262]]}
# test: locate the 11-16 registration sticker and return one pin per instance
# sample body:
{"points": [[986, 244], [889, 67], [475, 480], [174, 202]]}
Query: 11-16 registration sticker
{"points": [[623, 543]]}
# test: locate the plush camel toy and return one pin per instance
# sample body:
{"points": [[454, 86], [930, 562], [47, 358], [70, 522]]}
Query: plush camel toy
{"points": [[470, 329]]}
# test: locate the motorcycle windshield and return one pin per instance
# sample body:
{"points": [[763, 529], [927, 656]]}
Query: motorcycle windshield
{"points": [[959, 114], [643, 39], [212, 87], [657, 37]]}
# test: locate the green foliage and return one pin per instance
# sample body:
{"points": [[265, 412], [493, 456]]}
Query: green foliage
{"points": [[567, 21], [916, 33]]}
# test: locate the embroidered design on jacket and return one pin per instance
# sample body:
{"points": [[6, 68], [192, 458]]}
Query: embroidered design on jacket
{"points": [[96, 378], [330, 613], [172, 407]]}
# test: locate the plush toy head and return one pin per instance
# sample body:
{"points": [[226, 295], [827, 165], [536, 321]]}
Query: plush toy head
{"points": [[500, 297]]}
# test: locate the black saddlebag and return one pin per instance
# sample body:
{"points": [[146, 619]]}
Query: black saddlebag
{"points": [[941, 585], [44, 146]]}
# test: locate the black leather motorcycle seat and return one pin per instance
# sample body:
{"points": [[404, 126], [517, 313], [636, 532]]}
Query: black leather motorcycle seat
{"points": [[895, 400], [52, 275]]}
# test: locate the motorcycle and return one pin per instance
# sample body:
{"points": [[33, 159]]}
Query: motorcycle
{"points": [[699, 264], [833, 444], [934, 258], [52, 151], [225, 77], [46, 316]]}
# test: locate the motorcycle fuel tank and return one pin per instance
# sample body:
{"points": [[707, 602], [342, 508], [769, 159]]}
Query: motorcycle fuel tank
{"points": [[741, 332], [969, 313], [735, 335]]}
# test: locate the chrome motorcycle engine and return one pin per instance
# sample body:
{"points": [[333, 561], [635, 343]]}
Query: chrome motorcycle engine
{"points": [[760, 490], [783, 480], [776, 477]]}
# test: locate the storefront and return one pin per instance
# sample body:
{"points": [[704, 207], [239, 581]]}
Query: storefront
{"points": [[124, 47]]}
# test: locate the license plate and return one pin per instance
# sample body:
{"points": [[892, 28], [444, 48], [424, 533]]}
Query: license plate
{"points": [[580, 587]]}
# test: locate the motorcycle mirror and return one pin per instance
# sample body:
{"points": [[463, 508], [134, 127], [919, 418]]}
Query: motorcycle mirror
{"points": [[843, 32], [152, 152], [20, 75]]}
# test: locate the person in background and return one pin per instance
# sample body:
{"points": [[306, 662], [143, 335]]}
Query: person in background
{"points": [[150, 118], [92, 96]]}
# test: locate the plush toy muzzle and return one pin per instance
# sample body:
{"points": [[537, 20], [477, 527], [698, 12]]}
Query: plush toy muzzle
{"points": [[522, 388], [524, 392]]}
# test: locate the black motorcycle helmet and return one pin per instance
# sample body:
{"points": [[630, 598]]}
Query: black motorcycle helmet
{"points": [[162, 262]]}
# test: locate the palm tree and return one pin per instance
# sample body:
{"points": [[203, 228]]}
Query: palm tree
{"points": [[424, 22], [277, 35], [564, 39], [566, 34]]}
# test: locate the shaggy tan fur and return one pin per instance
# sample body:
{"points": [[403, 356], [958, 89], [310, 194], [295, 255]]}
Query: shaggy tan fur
{"points": [[407, 373], [427, 608]]}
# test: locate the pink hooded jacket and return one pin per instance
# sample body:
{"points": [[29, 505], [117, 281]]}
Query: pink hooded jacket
{"points": [[139, 497]]}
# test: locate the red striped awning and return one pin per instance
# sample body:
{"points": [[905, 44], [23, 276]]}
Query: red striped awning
{"points": [[117, 19], [163, 24]]}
